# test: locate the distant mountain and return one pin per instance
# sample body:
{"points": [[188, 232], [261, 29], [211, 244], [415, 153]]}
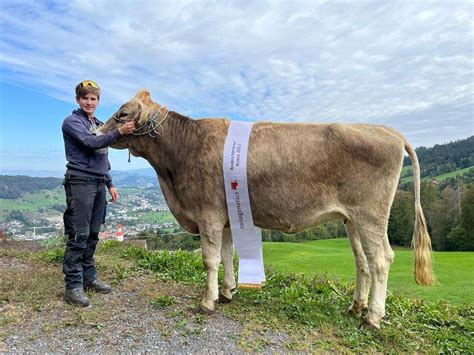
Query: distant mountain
{"points": [[34, 173], [54, 173], [142, 172], [134, 178]]}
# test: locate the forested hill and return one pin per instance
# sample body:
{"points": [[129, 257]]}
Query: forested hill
{"points": [[444, 158], [12, 187]]}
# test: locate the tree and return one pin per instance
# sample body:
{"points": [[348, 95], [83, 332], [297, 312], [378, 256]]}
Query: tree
{"points": [[442, 217], [19, 216], [462, 235], [401, 221]]}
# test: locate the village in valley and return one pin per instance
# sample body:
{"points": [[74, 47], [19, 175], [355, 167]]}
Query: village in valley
{"points": [[137, 210]]}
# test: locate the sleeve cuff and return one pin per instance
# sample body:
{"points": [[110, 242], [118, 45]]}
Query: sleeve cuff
{"points": [[116, 134]]}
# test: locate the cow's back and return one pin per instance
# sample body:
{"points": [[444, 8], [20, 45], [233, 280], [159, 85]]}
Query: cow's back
{"points": [[303, 174]]}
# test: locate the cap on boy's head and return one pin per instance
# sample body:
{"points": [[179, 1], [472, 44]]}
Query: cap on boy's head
{"points": [[86, 87]]}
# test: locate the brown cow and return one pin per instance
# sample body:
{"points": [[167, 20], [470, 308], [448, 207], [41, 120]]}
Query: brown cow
{"points": [[299, 175]]}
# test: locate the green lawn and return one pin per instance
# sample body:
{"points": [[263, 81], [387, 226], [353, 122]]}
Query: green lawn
{"points": [[454, 270]]}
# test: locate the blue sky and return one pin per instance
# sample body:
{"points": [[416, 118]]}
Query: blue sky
{"points": [[406, 64]]}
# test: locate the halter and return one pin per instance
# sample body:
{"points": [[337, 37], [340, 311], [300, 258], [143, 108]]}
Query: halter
{"points": [[151, 127]]}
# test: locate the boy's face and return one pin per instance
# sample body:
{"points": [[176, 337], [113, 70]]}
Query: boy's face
{"points": [[88, 103]]}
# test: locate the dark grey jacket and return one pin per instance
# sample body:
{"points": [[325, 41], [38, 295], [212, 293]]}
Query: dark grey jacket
{"points": [[86, 150]]}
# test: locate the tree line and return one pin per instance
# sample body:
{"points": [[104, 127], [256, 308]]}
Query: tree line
{"points": [[172, 241], [449, 212]]}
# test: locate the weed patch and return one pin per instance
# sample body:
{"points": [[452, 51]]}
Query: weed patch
{"points": [[107, 246], [171, 265], [53, 256], [162, 301]]}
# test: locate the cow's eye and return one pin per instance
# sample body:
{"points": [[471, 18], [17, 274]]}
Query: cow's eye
{"points": [[123, 114]]}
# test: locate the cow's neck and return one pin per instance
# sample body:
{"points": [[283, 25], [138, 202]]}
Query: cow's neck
{"points": [[170, 155], [172, 147]]}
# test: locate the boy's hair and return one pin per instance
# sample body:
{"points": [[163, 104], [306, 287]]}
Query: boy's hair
{"points": [[87, 87]]}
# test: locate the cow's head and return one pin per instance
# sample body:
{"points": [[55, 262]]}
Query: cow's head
{"points": [[139, 109]]}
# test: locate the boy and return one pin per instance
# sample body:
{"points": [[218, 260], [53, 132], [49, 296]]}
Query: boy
{"points": [[86, 178]]}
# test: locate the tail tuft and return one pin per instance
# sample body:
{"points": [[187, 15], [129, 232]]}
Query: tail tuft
{"points": [[422, 246]]}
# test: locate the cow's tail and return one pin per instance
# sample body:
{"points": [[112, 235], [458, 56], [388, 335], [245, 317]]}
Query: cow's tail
{"points": [[421, 239]]}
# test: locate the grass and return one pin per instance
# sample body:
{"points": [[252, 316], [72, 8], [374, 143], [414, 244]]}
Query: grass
{"points": [[310, 310], [157, 217], [162, 301], [334, 257], [406, 170], [452, 174], [178, 266], [314, 308]]}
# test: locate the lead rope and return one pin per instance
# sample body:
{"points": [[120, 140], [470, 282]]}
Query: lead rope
{"points": [[128, 150]]}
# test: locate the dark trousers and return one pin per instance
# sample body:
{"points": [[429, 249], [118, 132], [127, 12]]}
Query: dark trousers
{"points": [[85, 212]]}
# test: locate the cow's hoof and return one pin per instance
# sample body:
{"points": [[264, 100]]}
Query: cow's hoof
{"points": [[354, 312], [356, 308], [371, 323], [224, 299], [203, 310], [206, 307]]}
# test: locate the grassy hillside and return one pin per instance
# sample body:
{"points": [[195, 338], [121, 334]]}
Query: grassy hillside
{"points": [[451, 174], [406, 170], [31, 201], [334, 257]]}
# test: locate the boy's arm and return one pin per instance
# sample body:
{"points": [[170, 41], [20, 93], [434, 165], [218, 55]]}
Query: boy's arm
{"points": [[75, 128]]}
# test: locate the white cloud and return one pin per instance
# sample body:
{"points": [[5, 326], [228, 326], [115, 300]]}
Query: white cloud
{"points": [[308, 61]]}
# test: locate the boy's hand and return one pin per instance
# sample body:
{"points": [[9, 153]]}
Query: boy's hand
{"points": [[127, 128], [113, 192]]}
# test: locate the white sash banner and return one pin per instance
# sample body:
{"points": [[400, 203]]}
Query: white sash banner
{"points": [[247, 238]]}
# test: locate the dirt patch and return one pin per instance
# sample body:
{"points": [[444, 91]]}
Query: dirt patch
{"points": [[8, 264]]}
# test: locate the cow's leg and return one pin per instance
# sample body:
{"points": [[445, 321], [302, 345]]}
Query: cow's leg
{"points": [[362, 287], [211, 241], [227, 254], [374, 241]]}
